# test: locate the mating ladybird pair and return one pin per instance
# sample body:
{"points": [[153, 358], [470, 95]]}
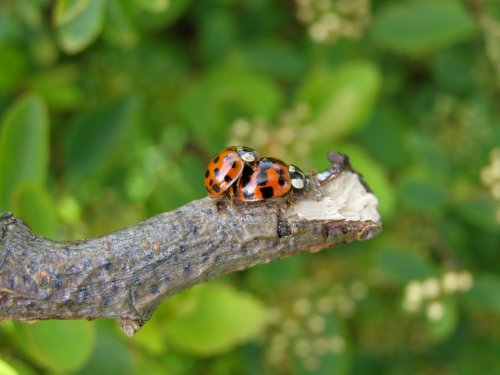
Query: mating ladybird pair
{"points": [[240, 172]]}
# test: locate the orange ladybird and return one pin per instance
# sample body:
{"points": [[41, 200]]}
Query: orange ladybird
{"points": [[270, 178], [226, 167]]}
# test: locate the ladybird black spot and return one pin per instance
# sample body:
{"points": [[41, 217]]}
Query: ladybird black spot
{"points": [[267, 192], [233, 164], [216, 172], [262, 178], [245, 176], [216, 188], [207, 173], [227, 178], [216, 160], [211, 182], [281, 180]]}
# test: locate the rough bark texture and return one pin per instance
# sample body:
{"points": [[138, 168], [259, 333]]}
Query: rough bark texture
{"points": [[126, 274]]}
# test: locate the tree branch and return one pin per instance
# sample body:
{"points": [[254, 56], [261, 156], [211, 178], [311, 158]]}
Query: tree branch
{"points": [[126, 274]]}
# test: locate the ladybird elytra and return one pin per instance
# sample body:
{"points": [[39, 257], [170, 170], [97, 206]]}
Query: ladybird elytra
{"points": [[226, 167], [269, 178]]}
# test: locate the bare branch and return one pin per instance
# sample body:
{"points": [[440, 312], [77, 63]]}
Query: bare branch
{"points": [[126, 274]]}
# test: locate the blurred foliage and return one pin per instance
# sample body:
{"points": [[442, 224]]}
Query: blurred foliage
{"points": [[110, 109]]}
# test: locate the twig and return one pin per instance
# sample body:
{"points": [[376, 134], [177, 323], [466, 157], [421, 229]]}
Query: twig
{"points": [[126, 274]]}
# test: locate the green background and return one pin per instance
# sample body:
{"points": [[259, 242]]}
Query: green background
{"points": [[110, 110]]}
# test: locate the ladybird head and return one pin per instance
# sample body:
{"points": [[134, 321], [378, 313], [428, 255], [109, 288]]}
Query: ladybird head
{"points": [[298, 179], [247, 154]]}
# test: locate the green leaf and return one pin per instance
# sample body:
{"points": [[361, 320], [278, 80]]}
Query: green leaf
{"points": [[440, 327], [108, 346], [451, 67], [58, 345], [12, 65], [95, 135], [479, 212], [6, 369], [422, 25], [341, 100], [78, 22], [119, 28], [262, 58], [33, 204], [154, 6], [151, 15], [218, 35], [424, 195], [431, 160], [404, 266], [277, 273], [214, 319], [150, 337], [385, 136], [223, 96], [24, 146], [59, 87], [485, 293], [21, 367]]}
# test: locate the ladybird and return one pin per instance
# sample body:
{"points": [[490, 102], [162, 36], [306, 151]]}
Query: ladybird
{"points": [[269, 178], [226, 167]]}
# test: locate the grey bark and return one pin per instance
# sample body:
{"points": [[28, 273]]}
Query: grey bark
{"points": [[126, 274]]}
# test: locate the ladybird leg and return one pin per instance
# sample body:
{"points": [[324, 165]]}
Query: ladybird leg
{"points": [[277, 209], [290, 198], [231, 201]]}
